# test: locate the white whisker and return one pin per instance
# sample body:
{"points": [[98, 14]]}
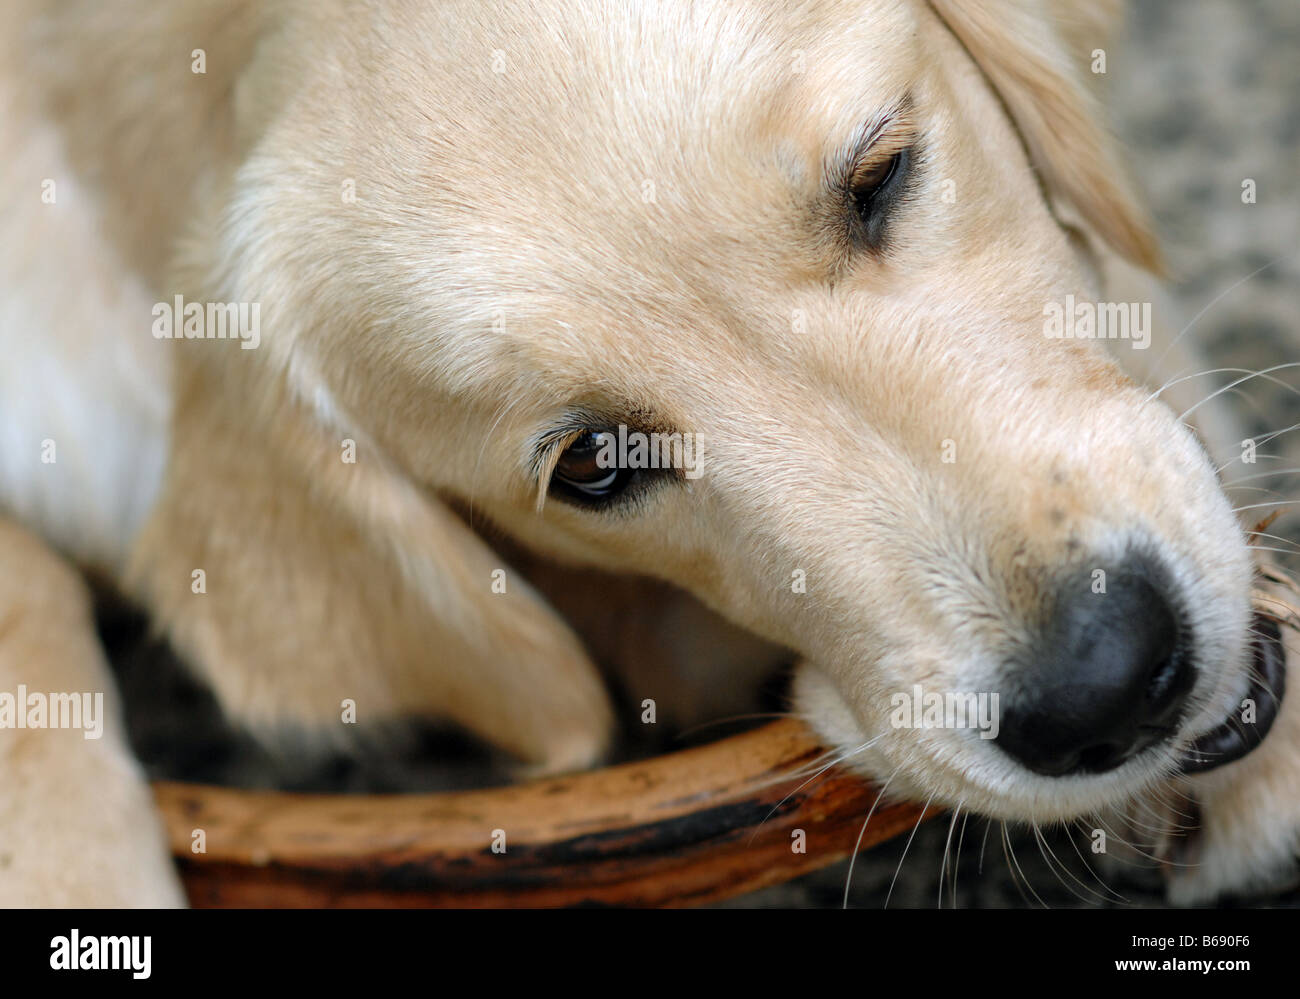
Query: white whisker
{"points": [[1257, 374]]}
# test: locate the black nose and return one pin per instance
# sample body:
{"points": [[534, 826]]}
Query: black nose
{"points": [[1109, 678]]}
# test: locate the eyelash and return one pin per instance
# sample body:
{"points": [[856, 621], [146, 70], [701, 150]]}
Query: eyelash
{"points": [[552, 448]]}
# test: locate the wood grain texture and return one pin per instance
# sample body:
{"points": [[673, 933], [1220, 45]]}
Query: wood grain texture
{"points": [[681, 829]]}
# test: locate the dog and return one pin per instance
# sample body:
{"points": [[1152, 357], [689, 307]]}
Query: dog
{"points": [[305, 302]]}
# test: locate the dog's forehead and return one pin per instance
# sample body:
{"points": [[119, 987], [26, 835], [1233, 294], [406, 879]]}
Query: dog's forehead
{"points": [[558, 187], [601, 97], [638, 146]]}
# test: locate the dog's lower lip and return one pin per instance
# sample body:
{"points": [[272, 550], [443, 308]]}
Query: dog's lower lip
{"points": [[1233, 740]]}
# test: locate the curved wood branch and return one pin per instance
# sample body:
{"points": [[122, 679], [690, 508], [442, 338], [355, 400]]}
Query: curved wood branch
{"points": [[681, 829]]}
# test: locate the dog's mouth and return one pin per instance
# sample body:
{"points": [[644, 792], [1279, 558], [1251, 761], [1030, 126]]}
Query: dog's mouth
{"points": [[1237, 737]]}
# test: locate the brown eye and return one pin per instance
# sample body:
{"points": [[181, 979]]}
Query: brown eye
{"points": [[589, 468]]}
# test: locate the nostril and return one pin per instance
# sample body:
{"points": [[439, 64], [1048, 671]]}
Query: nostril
{"points": [[1162, 682], [1169, 682]]}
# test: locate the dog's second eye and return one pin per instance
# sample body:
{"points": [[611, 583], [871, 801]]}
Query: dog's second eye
{"points": [[872, 188], [589, 469]]}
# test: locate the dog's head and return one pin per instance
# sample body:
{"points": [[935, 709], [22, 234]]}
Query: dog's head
{"points": [[816, 249]]}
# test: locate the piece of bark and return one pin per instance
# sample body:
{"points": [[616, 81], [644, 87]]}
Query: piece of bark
{"points": [[680, 829]]}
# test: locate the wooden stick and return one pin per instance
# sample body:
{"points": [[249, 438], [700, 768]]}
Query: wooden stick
{"points": [[680, 829]]}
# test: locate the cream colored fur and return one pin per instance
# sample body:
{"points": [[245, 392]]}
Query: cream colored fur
{"points": [[616, 206]]}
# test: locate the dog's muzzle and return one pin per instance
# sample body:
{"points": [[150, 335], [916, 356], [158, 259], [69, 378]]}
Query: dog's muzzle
{"points": [[1112, 675]]}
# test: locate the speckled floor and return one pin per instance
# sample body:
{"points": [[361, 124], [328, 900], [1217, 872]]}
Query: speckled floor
{"points": [[1205, 93]]}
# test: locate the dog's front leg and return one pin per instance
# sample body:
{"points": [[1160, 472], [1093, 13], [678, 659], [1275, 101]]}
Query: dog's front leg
{"points": [[77, 822], [315, 592]]}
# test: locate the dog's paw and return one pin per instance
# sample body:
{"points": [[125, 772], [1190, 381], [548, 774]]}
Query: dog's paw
{"points": [[1248, 840], [571, 752]]}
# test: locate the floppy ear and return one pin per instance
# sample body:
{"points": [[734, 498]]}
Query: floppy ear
{"points": [[1035, 54]]}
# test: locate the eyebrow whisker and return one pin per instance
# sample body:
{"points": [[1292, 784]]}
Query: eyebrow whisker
{"points": [[886, 133]]}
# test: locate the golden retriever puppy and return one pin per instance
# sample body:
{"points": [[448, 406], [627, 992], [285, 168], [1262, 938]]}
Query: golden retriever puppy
{"points": [[297, 293]]}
